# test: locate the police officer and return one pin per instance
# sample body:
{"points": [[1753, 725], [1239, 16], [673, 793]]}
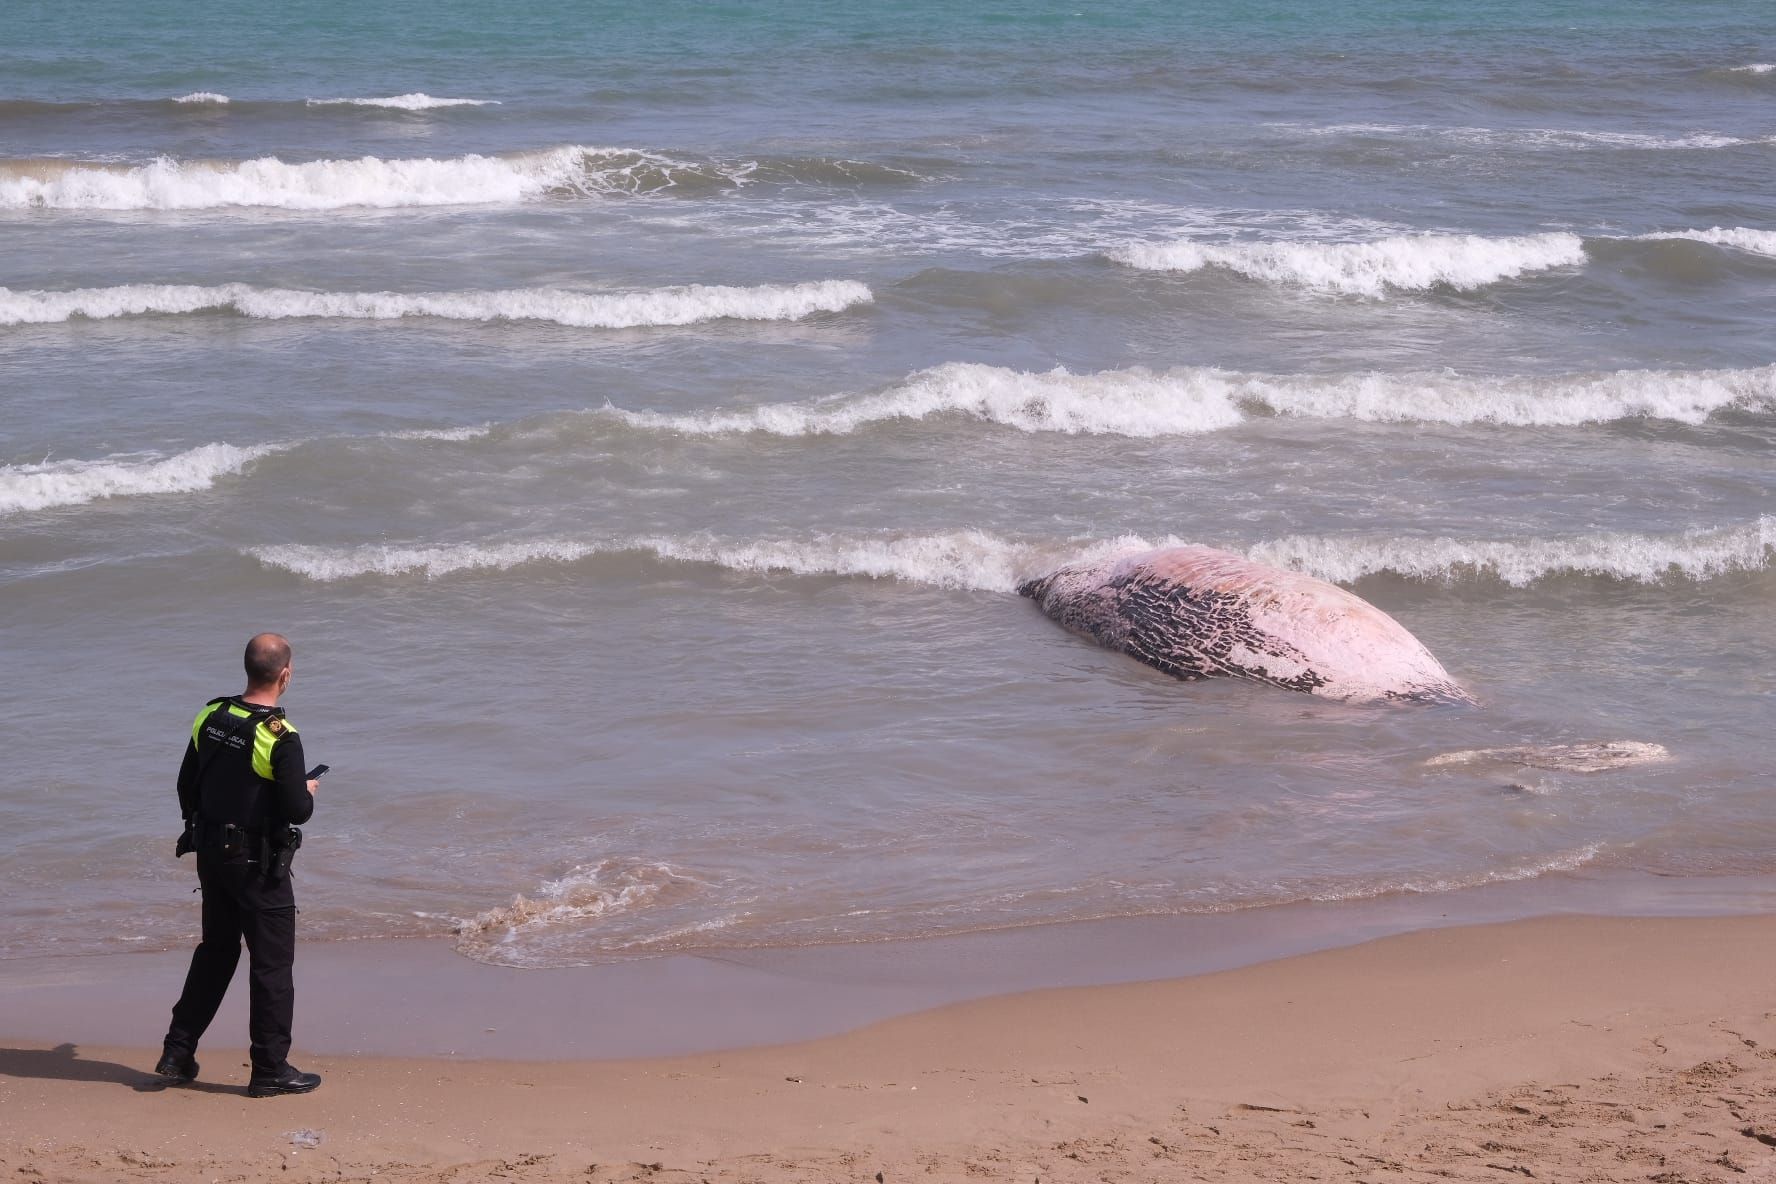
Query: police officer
{"points": [[241, 789]]}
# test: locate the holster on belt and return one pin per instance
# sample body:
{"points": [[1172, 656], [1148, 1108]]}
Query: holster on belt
{"points": [[284, 843]]}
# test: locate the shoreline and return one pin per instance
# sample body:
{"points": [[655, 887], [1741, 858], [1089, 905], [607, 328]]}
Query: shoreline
{"points": [[418, 997], [1557, 1047]]}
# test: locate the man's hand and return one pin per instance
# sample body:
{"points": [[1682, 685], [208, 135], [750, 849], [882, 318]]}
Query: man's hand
{"points": [[312, 785]]}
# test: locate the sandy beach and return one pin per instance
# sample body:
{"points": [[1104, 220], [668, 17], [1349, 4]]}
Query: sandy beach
{"points": [[920, 591], [1552, 1049]]}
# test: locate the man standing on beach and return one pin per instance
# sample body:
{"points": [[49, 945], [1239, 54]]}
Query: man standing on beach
{"points": [[242, 791]]}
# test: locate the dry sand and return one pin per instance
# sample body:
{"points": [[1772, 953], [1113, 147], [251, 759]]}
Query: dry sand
{"points": [[1567, 1049]]}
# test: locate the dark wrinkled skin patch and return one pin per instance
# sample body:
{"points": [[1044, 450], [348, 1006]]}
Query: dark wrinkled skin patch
{"points": [[1187, 633]]}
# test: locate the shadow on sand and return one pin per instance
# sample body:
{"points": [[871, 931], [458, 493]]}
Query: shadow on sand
{"points": [[64, 1063]]}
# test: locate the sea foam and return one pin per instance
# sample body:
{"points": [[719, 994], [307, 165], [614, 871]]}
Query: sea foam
{"points": [[1192, 400], [326, 564], [607, 887], [76, 482], [204, 97], [601, 310], [368, 181], [1412, 263], [416, 101], [1592, 756], [1128, 403], [1430, 882], [1568, 138], [1533, 138], [975, 560]]}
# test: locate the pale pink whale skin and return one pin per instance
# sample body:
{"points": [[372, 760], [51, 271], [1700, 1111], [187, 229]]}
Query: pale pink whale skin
{"points": [[1196, 612]]}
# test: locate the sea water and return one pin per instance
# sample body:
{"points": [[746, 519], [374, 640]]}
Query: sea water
{"points": [[639, 417]]}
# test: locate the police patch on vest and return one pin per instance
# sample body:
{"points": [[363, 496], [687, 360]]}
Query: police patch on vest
{"points": [[275, 726]]}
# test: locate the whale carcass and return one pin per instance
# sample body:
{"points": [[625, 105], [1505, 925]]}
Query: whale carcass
{"points": [[1197, 612]]}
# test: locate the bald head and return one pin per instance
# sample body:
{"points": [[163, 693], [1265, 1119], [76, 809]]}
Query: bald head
{"points": [[268, 656]]}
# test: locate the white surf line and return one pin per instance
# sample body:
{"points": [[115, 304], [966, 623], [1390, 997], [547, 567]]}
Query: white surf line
{"points": [[685, 305], [415, 101], [1628, 556], [1740, 238], [976, 560], [1408, 263], [52, 484], [368, 181], [1192, 400], [26, 488]]}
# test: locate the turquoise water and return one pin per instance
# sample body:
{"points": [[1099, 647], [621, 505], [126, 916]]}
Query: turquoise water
{"points": [[639, 415]]}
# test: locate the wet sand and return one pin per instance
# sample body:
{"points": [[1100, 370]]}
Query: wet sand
{"points": [[1562, 1048]]}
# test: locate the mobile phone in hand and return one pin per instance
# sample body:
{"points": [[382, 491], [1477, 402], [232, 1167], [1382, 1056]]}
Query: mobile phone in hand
{"points": [[318, 771]]}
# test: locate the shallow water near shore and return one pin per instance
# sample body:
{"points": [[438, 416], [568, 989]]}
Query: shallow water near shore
{"points": [[640, 427], [418, 998]]}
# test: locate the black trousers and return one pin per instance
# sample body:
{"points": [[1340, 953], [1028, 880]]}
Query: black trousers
{"points": [[240, 903]]}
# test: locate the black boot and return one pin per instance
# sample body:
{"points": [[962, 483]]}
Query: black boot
{"points": [[176, 1066], [288, 1080]]}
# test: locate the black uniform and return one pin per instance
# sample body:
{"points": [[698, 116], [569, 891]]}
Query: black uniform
{"points": [[241, 786]]}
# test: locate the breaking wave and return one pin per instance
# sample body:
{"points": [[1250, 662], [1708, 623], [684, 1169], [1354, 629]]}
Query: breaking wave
{"points": [[1631, 558], [368, 181], [77, 482], [25, 488], [417, 101], [1130, 403], [602, 310], [378, 183], [204, 97], [602, 891], [975, 560], [1193, 400], [344, 563], [963, 559], [1412, 263], [168, 184], [1740, 238]]}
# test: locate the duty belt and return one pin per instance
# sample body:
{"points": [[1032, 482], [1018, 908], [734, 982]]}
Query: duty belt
{"points": [[228, 839], [274, 850]]}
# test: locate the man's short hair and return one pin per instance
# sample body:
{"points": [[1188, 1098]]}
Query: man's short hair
{"points": [[268, 655]]}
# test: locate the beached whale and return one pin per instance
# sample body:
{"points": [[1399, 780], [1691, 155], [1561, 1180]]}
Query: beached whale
{"points": [[1196, 612]]}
